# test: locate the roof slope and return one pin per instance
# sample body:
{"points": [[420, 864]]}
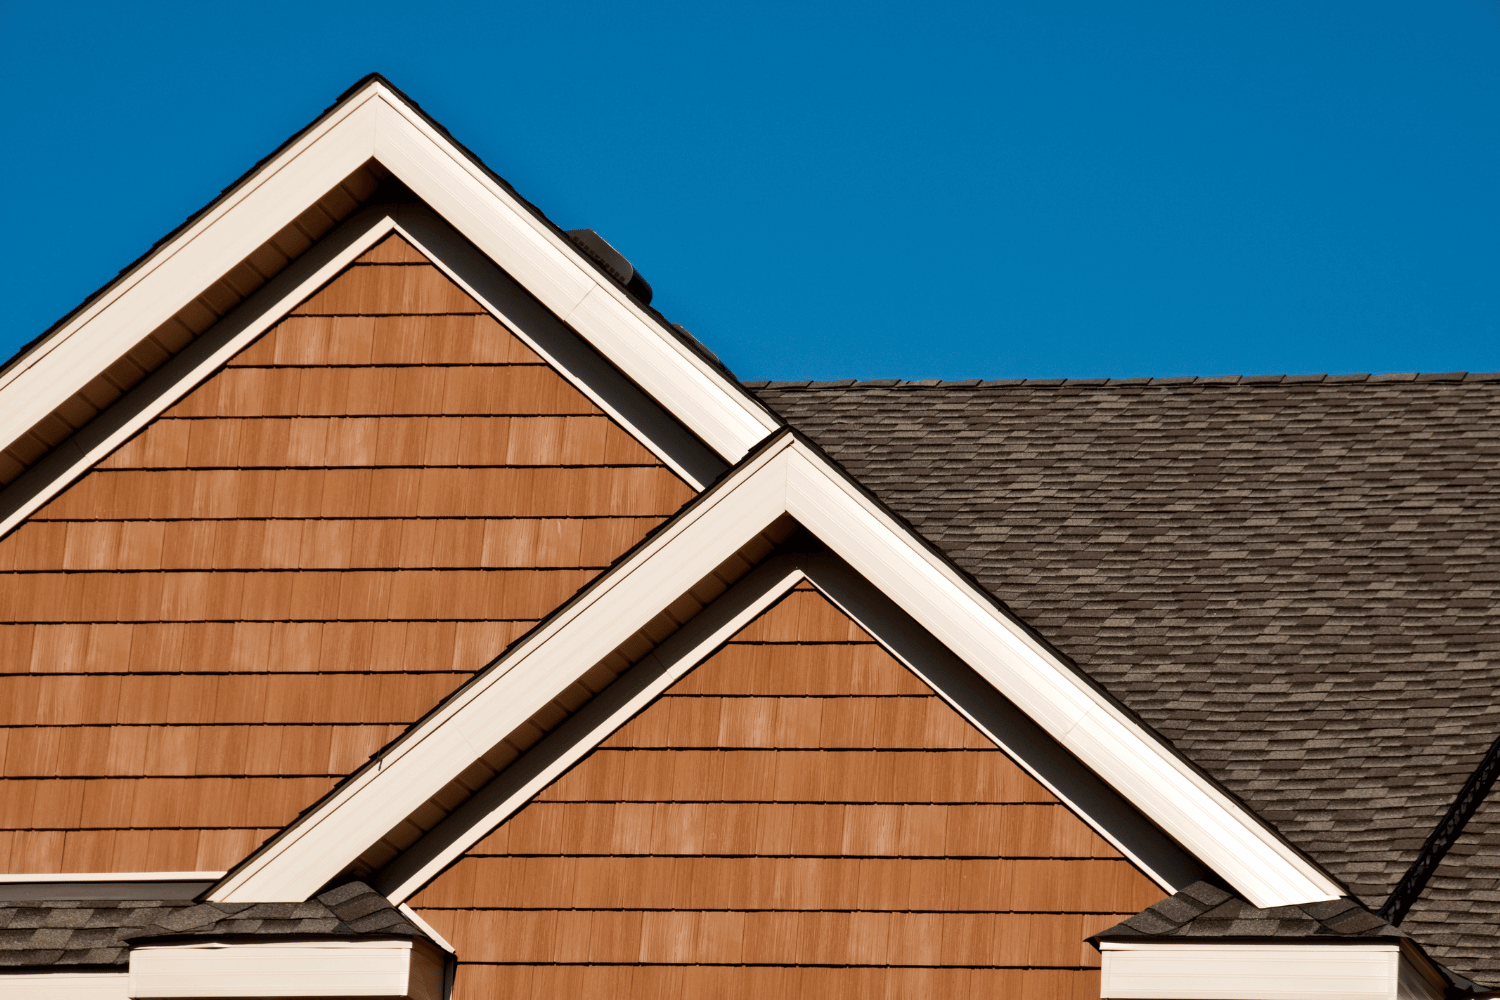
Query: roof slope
{"points": [[1458, 914], [1295, 581], [98, 932]]}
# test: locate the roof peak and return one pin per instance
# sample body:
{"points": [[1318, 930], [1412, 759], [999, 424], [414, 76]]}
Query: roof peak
{"points": [[1177, 380]]}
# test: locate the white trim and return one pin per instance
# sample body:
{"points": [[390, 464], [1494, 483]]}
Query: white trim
{"points": [[561, 749], [785, 477], [405, 967], [376, 123], [560, 347], [1230, 971], [65, 985], [426, 928], [112, 877]]}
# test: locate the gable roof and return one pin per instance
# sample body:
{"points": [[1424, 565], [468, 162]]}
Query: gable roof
{"points": [[1293, 580], [234, 258], [784, 478]]}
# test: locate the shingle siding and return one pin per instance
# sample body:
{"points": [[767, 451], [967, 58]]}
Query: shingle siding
{"points": [[800, 812], [279, 574]]}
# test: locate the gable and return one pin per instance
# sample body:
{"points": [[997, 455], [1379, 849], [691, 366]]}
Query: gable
{"points": [[800, 803], [783, 515], [290, 565]]}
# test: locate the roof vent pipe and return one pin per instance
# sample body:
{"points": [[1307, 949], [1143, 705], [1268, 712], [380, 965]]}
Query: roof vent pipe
{"points": [[613, 262]]}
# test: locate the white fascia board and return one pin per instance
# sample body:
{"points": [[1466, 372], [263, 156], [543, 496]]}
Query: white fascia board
{"points": [[476, 275], [1290, 971], [564, 747], [555, 272], [318, 845], [407, 968], [786, 477], [1208, 823], [184, 267], [376, 124], [190, 366], [65, 985]]}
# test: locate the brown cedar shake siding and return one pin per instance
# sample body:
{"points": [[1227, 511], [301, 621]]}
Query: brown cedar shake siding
{"points": [[289, 566], [799, 816]]}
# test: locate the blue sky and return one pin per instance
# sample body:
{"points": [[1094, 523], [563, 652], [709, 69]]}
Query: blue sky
{"points": [[867, 190]]}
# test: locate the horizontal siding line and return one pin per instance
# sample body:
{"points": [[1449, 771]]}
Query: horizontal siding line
{"points": [[242, 673], [795, 750], [352, 517], [770, 965], [373, 467], [197, 725], [122, 829], [799, 697], [318, 366], [246, 571], [1122, 914], [824, 857], [296, 314], [252, 621], [162, 777]]}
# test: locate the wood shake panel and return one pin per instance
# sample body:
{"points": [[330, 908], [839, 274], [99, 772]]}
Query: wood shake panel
{"points": [[414, 390], [292, 564], [386, 340], [381, 493], [799, 814], [337, 442], [255, 647]]}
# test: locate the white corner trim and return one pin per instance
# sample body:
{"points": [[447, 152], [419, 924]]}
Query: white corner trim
{"points": [[406, 968], [1293, 971], [65, 985], [111, 877], [376, 124], [785, 477]]}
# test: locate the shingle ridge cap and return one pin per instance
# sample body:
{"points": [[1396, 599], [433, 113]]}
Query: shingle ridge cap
{"points": [[1353, 378]]}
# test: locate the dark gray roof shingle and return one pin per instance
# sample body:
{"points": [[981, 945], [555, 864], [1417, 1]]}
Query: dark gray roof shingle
{"points": [[1206, 911], [1295, 581], [99, 932]]}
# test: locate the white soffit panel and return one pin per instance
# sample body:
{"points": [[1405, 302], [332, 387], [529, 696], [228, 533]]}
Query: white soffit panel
{"points": [[65, 985], [784, 477], [392, 968], [1162, 971], [375, 123]]}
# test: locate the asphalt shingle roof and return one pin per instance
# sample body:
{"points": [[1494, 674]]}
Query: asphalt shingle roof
{"points": [[99, 932], [1294, 580], [1206, 911]]}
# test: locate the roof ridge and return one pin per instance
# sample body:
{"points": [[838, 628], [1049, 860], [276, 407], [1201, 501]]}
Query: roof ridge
{"points": [[1175, 380]]}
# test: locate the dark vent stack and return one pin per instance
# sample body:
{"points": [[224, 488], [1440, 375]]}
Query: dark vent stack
{"points": [[613, 262]]}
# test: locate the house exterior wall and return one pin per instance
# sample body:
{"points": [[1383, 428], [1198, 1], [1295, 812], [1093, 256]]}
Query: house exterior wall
{"points": [[291, 565], [798, 816]]}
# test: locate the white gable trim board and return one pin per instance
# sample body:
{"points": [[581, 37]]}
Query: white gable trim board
{"points": [[1290, 971], [500, 295], [404, 968], [376, 123], [784, 477]]}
